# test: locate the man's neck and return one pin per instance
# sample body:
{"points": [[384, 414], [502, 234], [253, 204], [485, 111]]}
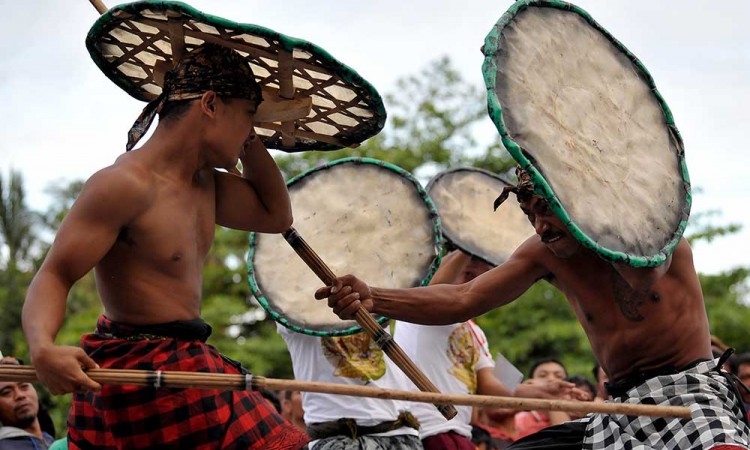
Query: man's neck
{"points": [[34, 429], [176, 148]]}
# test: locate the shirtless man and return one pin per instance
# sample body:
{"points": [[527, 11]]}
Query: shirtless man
{"points": [[647, 327], [145, 225]]}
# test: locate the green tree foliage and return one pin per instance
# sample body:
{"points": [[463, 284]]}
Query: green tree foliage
{"points": [[18, 238]]}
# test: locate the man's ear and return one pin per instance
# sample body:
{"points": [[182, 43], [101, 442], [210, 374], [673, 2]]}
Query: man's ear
{"points": [[208, 103]]}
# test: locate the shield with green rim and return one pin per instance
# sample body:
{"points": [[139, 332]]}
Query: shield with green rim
{"points": [[464, 198], [361, 216], [311, 100], [582, 115]]}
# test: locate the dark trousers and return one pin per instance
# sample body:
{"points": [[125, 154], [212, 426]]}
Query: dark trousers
{"points": [[559, 437]]}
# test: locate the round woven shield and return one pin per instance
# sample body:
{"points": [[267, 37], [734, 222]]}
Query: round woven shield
{"points": [[581, 114], [361, 216], [311, 100], [464, 199]]}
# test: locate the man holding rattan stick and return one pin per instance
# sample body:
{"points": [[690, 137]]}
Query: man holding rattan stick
{"points": [[145, 224], [647, 327]]}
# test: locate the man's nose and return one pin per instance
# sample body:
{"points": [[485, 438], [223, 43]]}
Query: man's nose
{"points": [[540, 226], [19, 394]]}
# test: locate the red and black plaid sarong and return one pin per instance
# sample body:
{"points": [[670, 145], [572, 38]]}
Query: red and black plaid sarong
{"points": [[135, 417]]}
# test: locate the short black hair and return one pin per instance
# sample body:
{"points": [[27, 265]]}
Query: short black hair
{"points": [[742, 358], [584, 383], [539, 362], [173, 110]]}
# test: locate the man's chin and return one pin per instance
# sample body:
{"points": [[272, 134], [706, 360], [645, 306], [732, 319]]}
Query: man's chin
{"points": [[562, 248], [25, 421]]}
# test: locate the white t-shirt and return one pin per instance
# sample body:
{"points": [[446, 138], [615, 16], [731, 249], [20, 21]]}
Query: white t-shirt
{"points": [[355, 360], [450, 356]]}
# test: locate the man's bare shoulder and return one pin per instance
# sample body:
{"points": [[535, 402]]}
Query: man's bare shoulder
{"points": [[534, 256], [123, 185], [533, 250]]}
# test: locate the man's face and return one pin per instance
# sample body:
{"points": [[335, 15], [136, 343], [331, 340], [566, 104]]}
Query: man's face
{"points": [[549, 227], [297, 404], [19, 404], [549, 371], [291, 408], [235, 127], [743, 373]]}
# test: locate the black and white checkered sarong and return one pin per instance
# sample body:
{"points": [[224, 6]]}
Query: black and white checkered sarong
{"points": [[716, 415]]}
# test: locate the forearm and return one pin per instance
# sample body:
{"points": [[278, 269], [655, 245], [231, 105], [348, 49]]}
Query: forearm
{"points": [[261, 171], [441, 304], [44, 310]]}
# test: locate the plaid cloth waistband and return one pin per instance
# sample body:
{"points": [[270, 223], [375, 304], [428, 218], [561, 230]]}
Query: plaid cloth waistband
{"points": [[621, 387], [185, 330], [350, 428]]}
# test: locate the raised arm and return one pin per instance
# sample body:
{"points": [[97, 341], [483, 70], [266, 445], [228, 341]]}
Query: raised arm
{"points": [[441, 304], [109, 200], [258, 200]]}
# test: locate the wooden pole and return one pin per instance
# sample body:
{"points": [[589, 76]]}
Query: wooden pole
{"points": [[101, 7], [201, 380]]}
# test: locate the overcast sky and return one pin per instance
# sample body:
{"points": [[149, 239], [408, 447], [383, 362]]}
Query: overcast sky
{"points": [[63, 120]]}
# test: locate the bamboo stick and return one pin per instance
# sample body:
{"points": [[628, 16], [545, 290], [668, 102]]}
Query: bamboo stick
{"points": [[99, 6], [222, 381]]}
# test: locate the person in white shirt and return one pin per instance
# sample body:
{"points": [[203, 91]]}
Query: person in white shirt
{"points": [[456, 358], [336, 422]]}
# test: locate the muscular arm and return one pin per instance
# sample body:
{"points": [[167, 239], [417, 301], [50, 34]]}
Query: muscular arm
{"points": [[257, 201], [108, 201], [442, 304]]}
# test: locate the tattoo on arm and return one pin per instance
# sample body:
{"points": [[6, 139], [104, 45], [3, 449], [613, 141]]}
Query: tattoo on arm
{"points": [[627, 299]]}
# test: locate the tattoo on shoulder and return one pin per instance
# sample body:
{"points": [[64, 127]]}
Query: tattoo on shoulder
{"points": [[627, 299]]}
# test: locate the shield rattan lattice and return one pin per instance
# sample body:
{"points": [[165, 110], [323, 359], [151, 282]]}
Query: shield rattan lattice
{"points": [[311, 100]]}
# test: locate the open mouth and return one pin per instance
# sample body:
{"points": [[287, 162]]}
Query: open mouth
{"points": [[551, 236]]}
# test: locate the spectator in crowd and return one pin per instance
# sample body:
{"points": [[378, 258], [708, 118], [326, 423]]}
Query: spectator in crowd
{"points": [[19, 406], [718, 348], [529, 422], [586, 387], [291, 408], [499, 423], [741, 369]]}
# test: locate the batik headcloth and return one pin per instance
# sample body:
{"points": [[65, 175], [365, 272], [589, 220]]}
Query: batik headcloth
{"points": [[523, 190], [209, 67]]}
